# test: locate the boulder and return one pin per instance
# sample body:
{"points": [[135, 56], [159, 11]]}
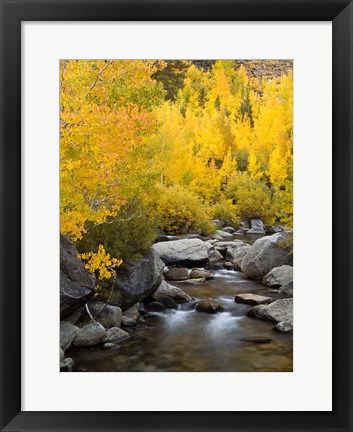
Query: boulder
{"points": [[114, 334], [275, 229], [62, 355], [229, 230], [155, 307], [193, 236], [216, 266], [223, 246], [76, 282], [241, 231], [67, 365], [286, 291], [214, 255], [278, 311], [194, 281], [217, 222], [109, 316], [89, 335], [186, 252], [236, 253], [168, 302], [284, 327], [176, 274], [67, 334], [75, 316], [252, 299], [163, 238], [265, 254], [110, 345], [258, 311], [130, 316], [167, 290], [279, 276], [209, 306], [197, 273], [216, 236], [245, 224], [256, 227], [138, 278], [224, 234]]}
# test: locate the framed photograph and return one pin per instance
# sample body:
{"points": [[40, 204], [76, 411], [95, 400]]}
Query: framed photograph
{"points": [[169, 171]]}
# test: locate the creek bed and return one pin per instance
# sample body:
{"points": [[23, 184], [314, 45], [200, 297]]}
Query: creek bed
{"points": [[185, 340]]}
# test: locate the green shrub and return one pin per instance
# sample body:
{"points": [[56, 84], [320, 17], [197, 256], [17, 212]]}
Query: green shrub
{"points": [[127, 235]]}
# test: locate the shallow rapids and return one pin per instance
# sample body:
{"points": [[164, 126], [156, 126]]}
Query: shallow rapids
{"points": [[185, 340]]}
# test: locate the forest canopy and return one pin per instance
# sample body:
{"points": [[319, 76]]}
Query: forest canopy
{"points": [[153, 145]]}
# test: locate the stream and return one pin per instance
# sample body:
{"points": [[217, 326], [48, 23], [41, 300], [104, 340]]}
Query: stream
{"points": [[185, 340]]}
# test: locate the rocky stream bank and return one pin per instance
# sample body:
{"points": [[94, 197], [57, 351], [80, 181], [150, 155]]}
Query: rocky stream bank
{"points": [[189, 293]]}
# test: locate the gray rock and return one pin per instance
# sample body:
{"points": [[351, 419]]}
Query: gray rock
{"points": [[216, 236], [186, 252], [218, 222], [89, 335], [216, 266], [209, 306], [137, 279], [265, 254], [140, 307], [228, 265], [201, 273], [155, 307], [241, 231], [176, 274], [132, 313], [245, 224], [109, 316], [110, 345], [62, 355], [75, 316], [279, 276], [67, 334], [236, 253], [286, 291], [252, 299], [284, 327], [224, 234], [194, 281], [275, 229], [168, 302], [257, 227], [229, 230], [278, 311], [76, 282], [214, 255], [130, 316], [114, 334], [259, 311], [67, 365], [193, 236], [167, 290], [163, 238], [223, 246]]}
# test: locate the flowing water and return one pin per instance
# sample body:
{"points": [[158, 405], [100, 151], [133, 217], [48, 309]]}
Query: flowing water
{"points": [[185, 340]]}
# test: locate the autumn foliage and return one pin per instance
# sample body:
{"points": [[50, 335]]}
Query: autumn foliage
{"points": [[186, 142]]}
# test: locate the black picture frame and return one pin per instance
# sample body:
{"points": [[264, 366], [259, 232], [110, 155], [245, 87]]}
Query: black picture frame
{"points": [[13, 12]]}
